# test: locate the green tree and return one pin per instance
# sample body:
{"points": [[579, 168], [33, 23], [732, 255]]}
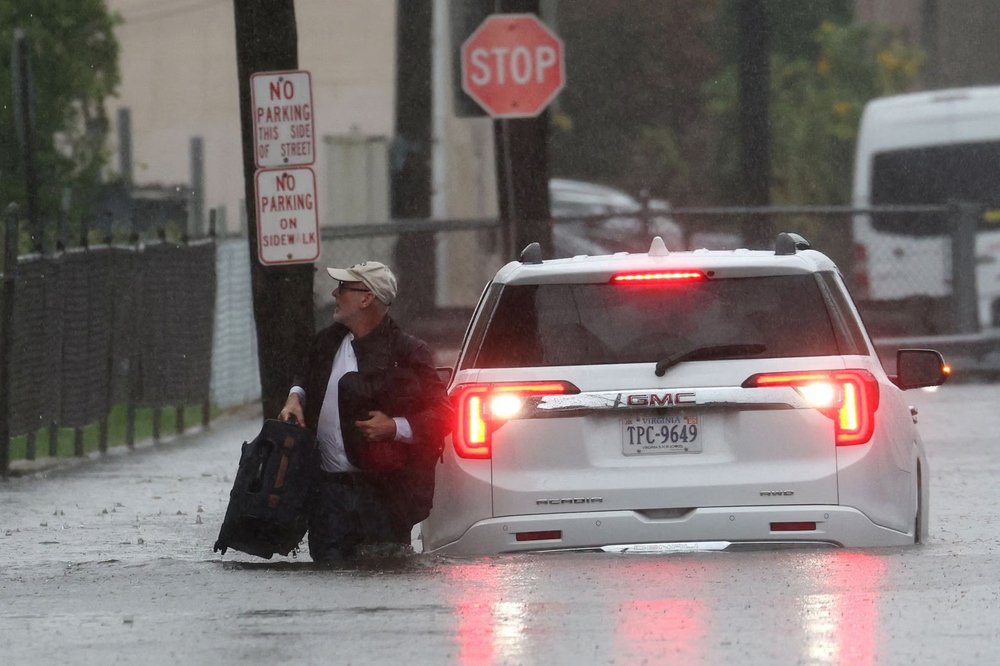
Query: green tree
{"points": [[818, 105], [74, 58], [631, 113], [817, 96]]}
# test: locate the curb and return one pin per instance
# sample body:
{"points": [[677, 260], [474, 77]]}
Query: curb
{"points": [[41, 467]]}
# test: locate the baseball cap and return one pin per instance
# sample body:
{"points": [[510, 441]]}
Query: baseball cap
{"points": [[373, 274]]}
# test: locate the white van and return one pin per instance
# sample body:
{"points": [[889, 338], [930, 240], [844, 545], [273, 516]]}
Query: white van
{"points": [[927, 148]]}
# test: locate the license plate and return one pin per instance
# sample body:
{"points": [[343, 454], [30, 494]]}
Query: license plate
{"points": [[661, 433]]}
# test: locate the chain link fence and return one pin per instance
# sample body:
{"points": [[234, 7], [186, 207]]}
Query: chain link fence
{"points": [[89, 327], [235, 365], [169, 323], [913, 270]]}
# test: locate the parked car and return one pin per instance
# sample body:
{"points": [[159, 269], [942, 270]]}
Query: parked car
{"points": [[716, 397], [623, 227]]}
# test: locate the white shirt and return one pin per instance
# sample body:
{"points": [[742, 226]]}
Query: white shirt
{"points": [[329, 435]]}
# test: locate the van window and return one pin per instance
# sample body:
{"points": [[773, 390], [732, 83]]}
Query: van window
{"points": [[584, 324], [937, 175]]}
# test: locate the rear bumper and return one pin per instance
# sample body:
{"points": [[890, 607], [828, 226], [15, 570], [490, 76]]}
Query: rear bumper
{"points": [[835, 525]]}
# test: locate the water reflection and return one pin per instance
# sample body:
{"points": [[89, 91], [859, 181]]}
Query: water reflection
{"points": [[479, 592], [662, 630], [841, 626], [499, 620], [823, 608]]}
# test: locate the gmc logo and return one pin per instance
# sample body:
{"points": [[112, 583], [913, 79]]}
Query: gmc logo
{"points": [[655, 399]]}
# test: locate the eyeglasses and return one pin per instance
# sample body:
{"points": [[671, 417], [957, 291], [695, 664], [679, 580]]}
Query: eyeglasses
{"points": [[340, 287]]}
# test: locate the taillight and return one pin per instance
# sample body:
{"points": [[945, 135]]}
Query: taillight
{"points": [[849, 397], [482, 408], [657, 277]]}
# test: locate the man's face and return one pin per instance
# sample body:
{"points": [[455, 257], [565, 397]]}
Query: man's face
{"points": [[350, 299]]}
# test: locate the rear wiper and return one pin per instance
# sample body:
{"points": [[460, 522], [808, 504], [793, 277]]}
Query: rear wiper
{"points": [[707, 353]]}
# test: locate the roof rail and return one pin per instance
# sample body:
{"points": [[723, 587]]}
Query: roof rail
{"points": [[788, 243], [531, 254]]}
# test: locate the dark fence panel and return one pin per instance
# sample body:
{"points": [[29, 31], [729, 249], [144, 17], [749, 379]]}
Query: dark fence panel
{"points": [[36, 327], [86, 278], [175, 329], [92, 327], [127, 269]]}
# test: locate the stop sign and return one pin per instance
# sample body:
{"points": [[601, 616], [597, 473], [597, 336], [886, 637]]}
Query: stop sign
{"points": [[512, 65]]}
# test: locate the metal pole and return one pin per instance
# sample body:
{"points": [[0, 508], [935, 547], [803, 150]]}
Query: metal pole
{"points": [[196, 225], [25, 121], [440, 112], [125, 145], [9, 271], [510, 222], [134, 377], [965, 299]]}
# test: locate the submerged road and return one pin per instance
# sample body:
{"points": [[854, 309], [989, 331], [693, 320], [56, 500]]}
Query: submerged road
{"points": [[111, 561]]}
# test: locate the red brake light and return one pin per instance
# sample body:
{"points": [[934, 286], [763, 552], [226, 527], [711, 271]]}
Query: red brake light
{"points": [[482, 408], [854, 421], [856, 418], [658, 277]]}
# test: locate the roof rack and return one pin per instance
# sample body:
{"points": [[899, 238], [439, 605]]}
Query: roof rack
{"points": [[531, 254], [788, 243]]}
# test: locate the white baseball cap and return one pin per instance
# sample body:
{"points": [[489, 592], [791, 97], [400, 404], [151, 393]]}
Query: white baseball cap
{"points": [[373, 274]]}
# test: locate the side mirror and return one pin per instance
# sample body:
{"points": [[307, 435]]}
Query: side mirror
{"points": [[916, 368], [444, 374]]}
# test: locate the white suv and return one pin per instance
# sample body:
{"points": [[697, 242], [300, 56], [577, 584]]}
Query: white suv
{"points": [[664, 399]]}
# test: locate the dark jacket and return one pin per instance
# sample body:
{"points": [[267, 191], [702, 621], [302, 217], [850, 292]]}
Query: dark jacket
{"points": [[395, 375]]}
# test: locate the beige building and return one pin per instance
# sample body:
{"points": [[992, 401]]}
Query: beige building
{"points": [[958, 36], [179, 81]]}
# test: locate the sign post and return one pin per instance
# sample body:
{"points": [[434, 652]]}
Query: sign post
{"points": [[513, 65], [287, 221], [284, 132], [284, 136]]}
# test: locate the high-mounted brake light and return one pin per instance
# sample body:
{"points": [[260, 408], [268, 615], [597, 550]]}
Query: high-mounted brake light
{"points": [[482, 408], [658, 277], [849, 397]]}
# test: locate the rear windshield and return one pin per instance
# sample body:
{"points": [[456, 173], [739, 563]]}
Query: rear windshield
{"points": [[584, 324]]}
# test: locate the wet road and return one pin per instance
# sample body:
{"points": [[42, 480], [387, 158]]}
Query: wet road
{"points": [[111, 562]]}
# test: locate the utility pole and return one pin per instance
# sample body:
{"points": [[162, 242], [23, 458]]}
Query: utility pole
{"points": [[267, 40], [754, 117], [522, 157], [411, 161]]}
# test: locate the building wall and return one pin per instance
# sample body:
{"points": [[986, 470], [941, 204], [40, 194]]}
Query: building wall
{"points": [[907, 15], [958, 36], [961, 42], [179, 81]]}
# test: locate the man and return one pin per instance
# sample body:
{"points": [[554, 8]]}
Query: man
{"points": [[380, 413]]}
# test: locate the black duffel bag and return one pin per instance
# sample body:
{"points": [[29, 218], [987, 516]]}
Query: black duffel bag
{"points": [[267, 505]]}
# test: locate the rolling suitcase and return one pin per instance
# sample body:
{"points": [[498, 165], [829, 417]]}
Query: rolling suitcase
{"points": [[267, 505]]}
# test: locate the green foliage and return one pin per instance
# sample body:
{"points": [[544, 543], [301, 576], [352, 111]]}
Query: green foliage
{"points": [[630, 115], [74, 58], [117, 431], [791, 26], [816, 105]]}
